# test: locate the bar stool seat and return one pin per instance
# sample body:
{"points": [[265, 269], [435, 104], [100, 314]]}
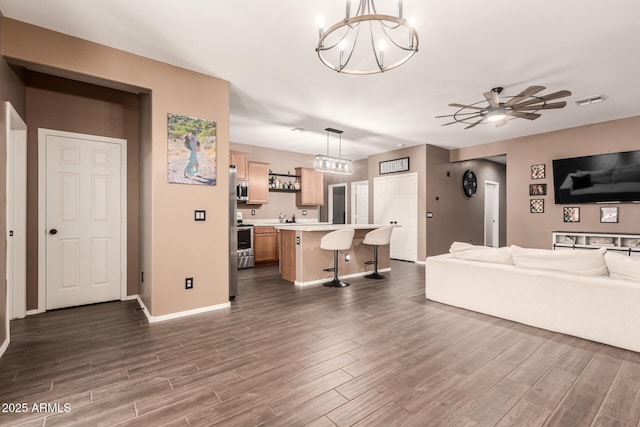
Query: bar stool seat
{"points": [[339, 240], [377, 237]]}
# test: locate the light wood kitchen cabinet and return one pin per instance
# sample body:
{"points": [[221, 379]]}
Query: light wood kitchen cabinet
{"points": [[241, 162], [258, 183], [265, 244], [311, 187]]}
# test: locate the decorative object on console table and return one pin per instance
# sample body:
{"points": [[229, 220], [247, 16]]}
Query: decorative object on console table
{"points": [[393, 166], [537, 189], [608, 214], [571, 214], [191, 150], [538, 172], [536, 206]]}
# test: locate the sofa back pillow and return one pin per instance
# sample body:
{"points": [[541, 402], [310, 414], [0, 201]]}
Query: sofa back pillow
{"points": [[630, 173], [623, 266], [471, 252], [600, 176], [583, 262]]}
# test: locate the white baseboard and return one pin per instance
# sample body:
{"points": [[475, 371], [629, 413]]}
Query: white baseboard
{"points": [[5, 346], [347, 276], [130, 297], [154, 319], [34, 311], [421, 262]]}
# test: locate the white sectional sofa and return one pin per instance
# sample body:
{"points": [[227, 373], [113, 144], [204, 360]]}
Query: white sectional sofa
{"points": [[581, 293]]}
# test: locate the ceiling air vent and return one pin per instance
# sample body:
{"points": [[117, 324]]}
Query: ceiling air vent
{"points": [[589, 100]]}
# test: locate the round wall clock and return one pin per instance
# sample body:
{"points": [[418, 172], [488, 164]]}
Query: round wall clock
{"points": [[469, 183]]}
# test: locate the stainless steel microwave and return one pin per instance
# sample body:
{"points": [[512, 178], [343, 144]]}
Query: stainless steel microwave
{"points": [[242, 190]]}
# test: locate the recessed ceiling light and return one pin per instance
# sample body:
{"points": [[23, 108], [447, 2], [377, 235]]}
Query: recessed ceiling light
{"points": [[589, 100], [297, 130], [401, 145]]}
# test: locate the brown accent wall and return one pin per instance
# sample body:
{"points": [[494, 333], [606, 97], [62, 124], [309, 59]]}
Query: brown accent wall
{"points": [[418, 164], [534, 230], [172, 245], [11, 90], [68, 105], [455, 216]]}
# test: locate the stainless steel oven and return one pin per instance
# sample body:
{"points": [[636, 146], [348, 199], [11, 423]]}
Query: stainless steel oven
{"points": [[245, 246]]}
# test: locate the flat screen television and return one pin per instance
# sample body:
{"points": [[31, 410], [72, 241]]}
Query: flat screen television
{"points": [[603, 178]]}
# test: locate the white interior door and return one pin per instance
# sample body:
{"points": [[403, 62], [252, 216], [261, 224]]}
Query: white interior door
{"points": [[360, 202], [84, 219], [16, 137], [395, 201], [491, 214]]}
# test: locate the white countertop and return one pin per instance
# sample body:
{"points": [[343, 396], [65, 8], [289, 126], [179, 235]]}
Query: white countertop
{"points": [[326, 226]]}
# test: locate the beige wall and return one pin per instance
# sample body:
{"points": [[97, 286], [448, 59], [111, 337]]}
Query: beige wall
{"points": [[68, 105], [455, 216], [11, 90], [166, 210], [534, 230]]}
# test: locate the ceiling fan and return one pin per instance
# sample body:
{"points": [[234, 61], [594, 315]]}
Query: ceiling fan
{"points": [[524, 105]]}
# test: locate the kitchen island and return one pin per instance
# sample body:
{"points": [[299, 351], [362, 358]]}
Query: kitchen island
{"points": [[302, 261]]}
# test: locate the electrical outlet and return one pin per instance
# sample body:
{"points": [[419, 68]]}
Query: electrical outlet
{"points": [[253, 212], [188, 283], [347, 257]]}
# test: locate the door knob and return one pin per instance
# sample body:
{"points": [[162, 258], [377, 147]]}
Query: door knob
{"points": [[53, 231]]}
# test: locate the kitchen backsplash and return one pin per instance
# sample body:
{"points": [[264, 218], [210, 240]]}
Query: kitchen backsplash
{"points": [[284, 203]]}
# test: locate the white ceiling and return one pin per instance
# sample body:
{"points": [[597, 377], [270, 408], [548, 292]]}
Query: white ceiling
{"points": [[266, 49]]}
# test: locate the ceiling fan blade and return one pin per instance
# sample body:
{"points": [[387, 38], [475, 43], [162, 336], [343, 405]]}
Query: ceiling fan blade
{"points": [[531, 90], [457, 114], [465, 106], [459, 121], [493, 98], [550, 106], [501, 123], [475, 123], [537, 100], [528, 116]]}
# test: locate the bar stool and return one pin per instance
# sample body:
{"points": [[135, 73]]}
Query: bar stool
{"points": [[339, 240], [377, 237]]}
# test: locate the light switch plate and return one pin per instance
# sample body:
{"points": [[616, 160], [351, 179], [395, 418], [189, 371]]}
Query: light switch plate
{"points": [[200, 216]]}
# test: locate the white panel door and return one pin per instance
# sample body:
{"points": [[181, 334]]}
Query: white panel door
{"points": [[491, 214], [361, 203], [83, 221], [396, 202]]}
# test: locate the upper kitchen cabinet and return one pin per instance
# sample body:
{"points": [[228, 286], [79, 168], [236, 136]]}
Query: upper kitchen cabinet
{"points": [[311, 187], [258, 174], [241, 162]]}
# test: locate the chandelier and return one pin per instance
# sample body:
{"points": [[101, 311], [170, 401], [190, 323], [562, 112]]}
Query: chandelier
{"points": [[386, 41], [333, 164]]}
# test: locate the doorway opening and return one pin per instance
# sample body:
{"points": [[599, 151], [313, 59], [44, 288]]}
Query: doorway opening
{"points": [[338, 203], [360, 202], [492, 214]]}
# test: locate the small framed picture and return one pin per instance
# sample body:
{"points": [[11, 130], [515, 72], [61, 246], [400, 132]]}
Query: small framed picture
{"points": [[571, 214], [538, 172], [536, 206], [609, 214], [537, 189]]}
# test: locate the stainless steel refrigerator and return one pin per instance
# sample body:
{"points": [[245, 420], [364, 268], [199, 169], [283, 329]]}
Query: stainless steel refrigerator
{"points": [[233, 235]]}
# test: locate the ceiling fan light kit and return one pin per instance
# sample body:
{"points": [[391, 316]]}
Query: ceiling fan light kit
{"points": [[386, 42], [327, 163], [524, 105]]}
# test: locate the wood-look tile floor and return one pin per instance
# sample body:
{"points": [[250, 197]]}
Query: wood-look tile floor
{"points": [[374, 354]]}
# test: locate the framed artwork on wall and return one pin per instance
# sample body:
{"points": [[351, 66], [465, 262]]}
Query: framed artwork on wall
{"points": [[537, 189], [571, 214], [538, 172], [191, 150], [609, 214], [536, 205]]}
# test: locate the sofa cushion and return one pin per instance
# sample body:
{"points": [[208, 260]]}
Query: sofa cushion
{"points": [[630, 173], [623, 266], [471, 252], [600, 176], [581, 181], [582, 262]]}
